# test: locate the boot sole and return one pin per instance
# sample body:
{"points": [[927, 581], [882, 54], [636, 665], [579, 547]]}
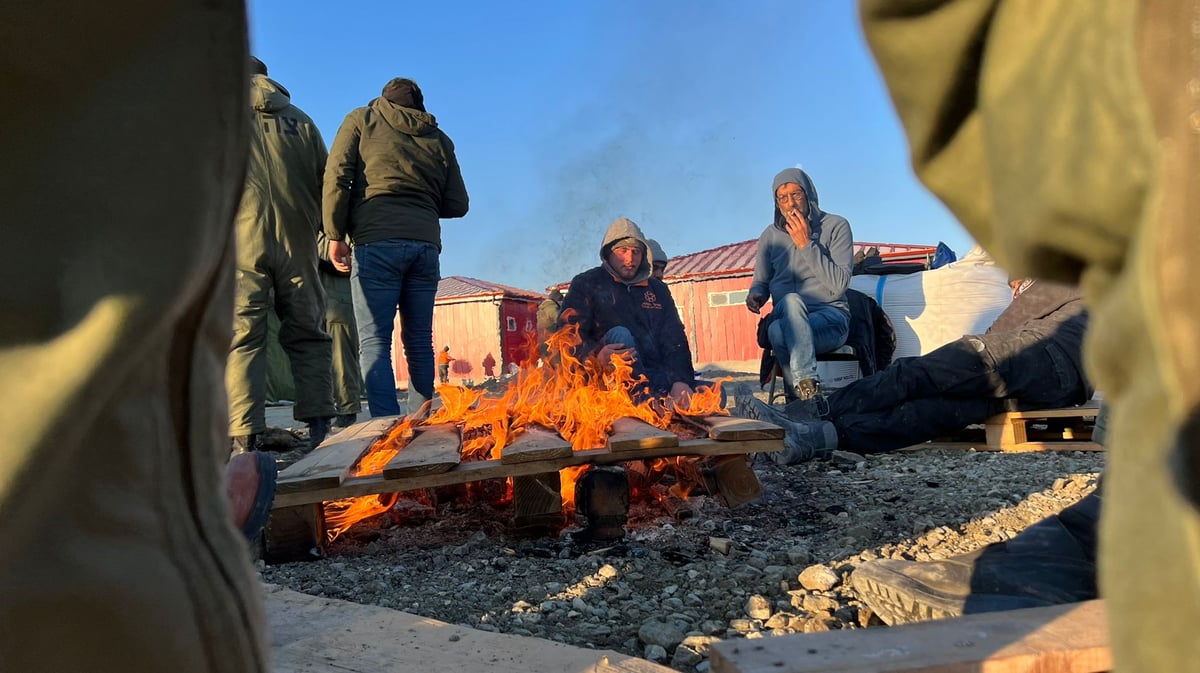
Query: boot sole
{"points": [[897, 599]]}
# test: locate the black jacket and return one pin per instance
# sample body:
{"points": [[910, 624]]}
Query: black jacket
{"points": [[1053, 311], [596, 302]]}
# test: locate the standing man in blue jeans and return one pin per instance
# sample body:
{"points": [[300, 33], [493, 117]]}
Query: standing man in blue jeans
{"points": [[803, 262], [392, 174]]}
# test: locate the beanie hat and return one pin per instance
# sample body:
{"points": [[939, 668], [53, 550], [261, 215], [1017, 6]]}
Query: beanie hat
{"points": [[405, 93]]}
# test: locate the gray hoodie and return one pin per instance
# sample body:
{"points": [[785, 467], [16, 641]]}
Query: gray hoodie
{"points": [[818, 272], [623, 227]]}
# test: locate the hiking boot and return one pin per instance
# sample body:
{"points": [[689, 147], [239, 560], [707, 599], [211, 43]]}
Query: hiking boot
{"points": [[344, 420], [318, 429], [807, 389], [1050, 563], [244, 443], [802, 440]]}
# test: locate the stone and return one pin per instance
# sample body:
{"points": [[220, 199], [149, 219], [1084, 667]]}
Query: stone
{"points": [[721, 545], [607, 571], [685, 657], [658, 632], [816, 603], [818, 578], [799, 556], [758, 607], [655, 653]]}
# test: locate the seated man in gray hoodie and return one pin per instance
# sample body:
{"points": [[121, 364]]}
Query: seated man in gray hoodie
{"points": [[622, 310], [803, 262], [1031, 357]]}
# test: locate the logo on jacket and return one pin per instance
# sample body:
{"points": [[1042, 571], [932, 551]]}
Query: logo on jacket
{"points": [[651, 301]]}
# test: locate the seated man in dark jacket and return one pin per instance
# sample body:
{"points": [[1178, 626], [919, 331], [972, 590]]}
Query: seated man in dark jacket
{"points": [[622, 310], [1030, 356]]}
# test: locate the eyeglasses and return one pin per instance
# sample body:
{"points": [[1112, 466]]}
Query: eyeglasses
{"points": [[797, 196]]}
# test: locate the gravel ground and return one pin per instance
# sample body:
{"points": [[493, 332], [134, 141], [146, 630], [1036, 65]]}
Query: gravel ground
{"points": [[673, 585]]}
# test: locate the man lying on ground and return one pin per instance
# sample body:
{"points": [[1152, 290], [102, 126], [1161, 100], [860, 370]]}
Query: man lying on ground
{"points": [[1030, 358]]}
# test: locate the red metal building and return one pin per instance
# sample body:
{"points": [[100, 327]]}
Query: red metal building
{"points": [[477, 318]]}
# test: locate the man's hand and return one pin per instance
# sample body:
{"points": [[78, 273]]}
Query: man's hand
{"points": [[755, 301], [681, 393], [605, 354], [339, 256], [797, 227]]}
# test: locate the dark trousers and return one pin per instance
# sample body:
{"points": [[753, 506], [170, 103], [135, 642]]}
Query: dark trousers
{"points": [[964, 382]]}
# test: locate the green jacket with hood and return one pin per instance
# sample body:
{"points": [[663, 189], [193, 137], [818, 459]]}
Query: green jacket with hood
{"points": [[598, 300], [283, 174], [391, 174]]}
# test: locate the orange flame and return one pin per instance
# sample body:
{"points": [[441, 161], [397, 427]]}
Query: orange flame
{"points": [[578, 399]]}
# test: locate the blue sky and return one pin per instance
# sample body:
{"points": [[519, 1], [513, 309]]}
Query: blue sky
{"points": [[567, 115]]}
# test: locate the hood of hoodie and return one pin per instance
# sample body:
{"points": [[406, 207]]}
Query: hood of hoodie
{"points": [[624, 227], [404, 119], [267, 95], [797, 177]]}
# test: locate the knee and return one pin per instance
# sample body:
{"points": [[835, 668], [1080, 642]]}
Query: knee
{"points": [[621, 336], [775, 335], [792, 306]]}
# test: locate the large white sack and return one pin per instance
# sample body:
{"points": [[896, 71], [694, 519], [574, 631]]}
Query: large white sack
{"points": [[932, 308]]}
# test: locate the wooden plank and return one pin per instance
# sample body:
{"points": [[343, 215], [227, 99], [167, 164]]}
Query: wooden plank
{"points": [[329, 464], [537, 504], [1027, 446], [310, 634], [1062, 638], [736, 482], [735, 429], [535, 443], [1085, 411], [631, 434], [435, 449], [494, 469]]}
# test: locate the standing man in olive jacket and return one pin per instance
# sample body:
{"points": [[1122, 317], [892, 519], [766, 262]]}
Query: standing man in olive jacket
{"points": [[622, 310], [276, 247], [391, 175]]}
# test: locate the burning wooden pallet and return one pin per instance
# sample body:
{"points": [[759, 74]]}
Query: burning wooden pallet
{"points": [[433, 458]]}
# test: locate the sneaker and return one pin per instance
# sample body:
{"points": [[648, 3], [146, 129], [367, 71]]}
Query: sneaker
{"points": [[344, 420], [244, 443], [1050, 563], [250, 480]]}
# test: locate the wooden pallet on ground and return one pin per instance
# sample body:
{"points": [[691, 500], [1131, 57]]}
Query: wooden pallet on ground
{"points": [[1064, 429], [432, 458], [1071, 637]]}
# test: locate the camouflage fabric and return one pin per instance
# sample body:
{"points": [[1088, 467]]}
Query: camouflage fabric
{"points": [[1064, 135], [118, 553]]}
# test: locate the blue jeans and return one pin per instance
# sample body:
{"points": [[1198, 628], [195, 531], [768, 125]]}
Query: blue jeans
{"points": [[386, 276], [799, 332], [622, 335]]}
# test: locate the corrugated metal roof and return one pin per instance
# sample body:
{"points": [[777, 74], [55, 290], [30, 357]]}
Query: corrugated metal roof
{"points": [[738, 258], [461, 287]]}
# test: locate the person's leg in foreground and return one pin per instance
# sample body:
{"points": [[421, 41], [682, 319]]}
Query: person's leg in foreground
{"points": [[118, 553], [1096, 110]]}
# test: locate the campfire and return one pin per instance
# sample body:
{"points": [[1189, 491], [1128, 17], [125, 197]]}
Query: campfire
{"points": [[577, 400]]}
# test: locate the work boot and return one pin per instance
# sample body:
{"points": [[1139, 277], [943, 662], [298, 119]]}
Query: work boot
{"points": [[802, 441], [1049, 563], [344, 420], [318, 429], [807, 389], [243, 443]]}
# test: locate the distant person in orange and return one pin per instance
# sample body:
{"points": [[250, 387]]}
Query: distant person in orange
{"points": [[443, 363]]}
